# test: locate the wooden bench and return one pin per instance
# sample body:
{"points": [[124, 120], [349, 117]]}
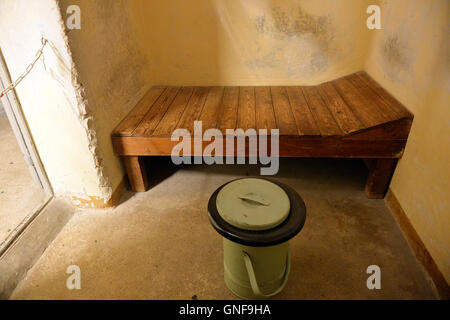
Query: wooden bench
{"points": [[351, 117]]}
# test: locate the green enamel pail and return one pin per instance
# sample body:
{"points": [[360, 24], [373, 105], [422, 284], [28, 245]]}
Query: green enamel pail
{"points": [[256, 217]]}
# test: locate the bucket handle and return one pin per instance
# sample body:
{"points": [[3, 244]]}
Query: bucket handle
{"points": [[254, 283]]}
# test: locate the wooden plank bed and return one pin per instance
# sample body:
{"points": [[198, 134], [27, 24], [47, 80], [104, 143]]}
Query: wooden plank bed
{"points": [[351, 117]]}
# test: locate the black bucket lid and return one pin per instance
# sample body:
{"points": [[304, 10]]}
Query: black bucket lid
{"points": [[282, 232]]}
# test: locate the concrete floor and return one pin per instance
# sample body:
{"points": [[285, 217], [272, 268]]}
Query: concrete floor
{"points": [[20, 196], [160, 245]]}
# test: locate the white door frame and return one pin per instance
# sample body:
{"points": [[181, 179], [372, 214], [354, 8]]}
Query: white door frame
{"points": [[20, 128]]}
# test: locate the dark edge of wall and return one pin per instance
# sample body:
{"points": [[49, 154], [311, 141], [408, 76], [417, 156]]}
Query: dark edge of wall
{"points": [[29, 246], [417, 246]]}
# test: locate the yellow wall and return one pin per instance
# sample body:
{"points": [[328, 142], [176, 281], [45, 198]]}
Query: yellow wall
{"points": [[111, 68], [410, 57], [226, 42], [48, 97]]}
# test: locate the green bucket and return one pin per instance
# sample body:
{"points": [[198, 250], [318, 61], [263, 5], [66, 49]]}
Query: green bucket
{"points": [[256, 217]]}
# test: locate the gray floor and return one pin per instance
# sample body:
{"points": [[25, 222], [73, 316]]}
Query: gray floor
{"points": [[160, 245], [20, 196]]}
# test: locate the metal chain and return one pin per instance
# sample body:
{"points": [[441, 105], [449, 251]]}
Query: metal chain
{"points": [[27, 70]]}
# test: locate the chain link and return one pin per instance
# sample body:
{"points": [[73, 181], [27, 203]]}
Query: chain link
{"points": [[38, 55]]}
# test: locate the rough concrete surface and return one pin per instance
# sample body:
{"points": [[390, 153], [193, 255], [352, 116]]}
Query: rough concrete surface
{"points": [[20, 196], [160, 245], [31, 243]]}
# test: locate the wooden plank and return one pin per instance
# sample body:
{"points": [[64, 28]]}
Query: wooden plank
{"points": [[137, 175], [246, 118], [193, 109], [379, 177], [211, 109], [365, 110], [290, 146], [229, 109], [302, 114], [323, 116], [132, 120], [283, 112], [336, 147], [387, 111], [398, 129], [171, 118], [265, 116], [341, 112], [156, 112], [393, 103]]}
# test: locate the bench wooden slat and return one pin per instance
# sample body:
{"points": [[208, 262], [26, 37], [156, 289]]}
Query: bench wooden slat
{"points": [[388, 113], [172, 116], [343, 107], [228, 114], [211, 109], [156, 112], [323, 116], [246, 110], [193, 108], [393, 103], [283, 112], [132, 120], [340, 107], [343, 115], [290, 146], [265, 116], [363, 108], [304, 119]]}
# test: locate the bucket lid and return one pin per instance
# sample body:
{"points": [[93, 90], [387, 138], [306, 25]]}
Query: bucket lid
{"points": [[253, 204]]}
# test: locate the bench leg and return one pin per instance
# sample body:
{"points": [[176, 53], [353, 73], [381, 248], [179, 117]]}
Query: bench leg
{"points": [[380, 172], [137, 175]]}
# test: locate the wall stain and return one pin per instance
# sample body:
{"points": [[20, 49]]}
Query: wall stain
{"points": [[265, 59], [394, 52], [302, 24], [305, 42], [396, 57], [260, 23]]}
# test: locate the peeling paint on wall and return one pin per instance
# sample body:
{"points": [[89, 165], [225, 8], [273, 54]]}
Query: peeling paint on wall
{"points": [[303, 23], [309, 38]]}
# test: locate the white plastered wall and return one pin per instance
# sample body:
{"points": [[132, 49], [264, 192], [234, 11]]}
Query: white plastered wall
{"points": [[52, 98]]}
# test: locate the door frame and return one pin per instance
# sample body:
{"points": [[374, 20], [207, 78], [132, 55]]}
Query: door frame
{"points": [[17, 120]]}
